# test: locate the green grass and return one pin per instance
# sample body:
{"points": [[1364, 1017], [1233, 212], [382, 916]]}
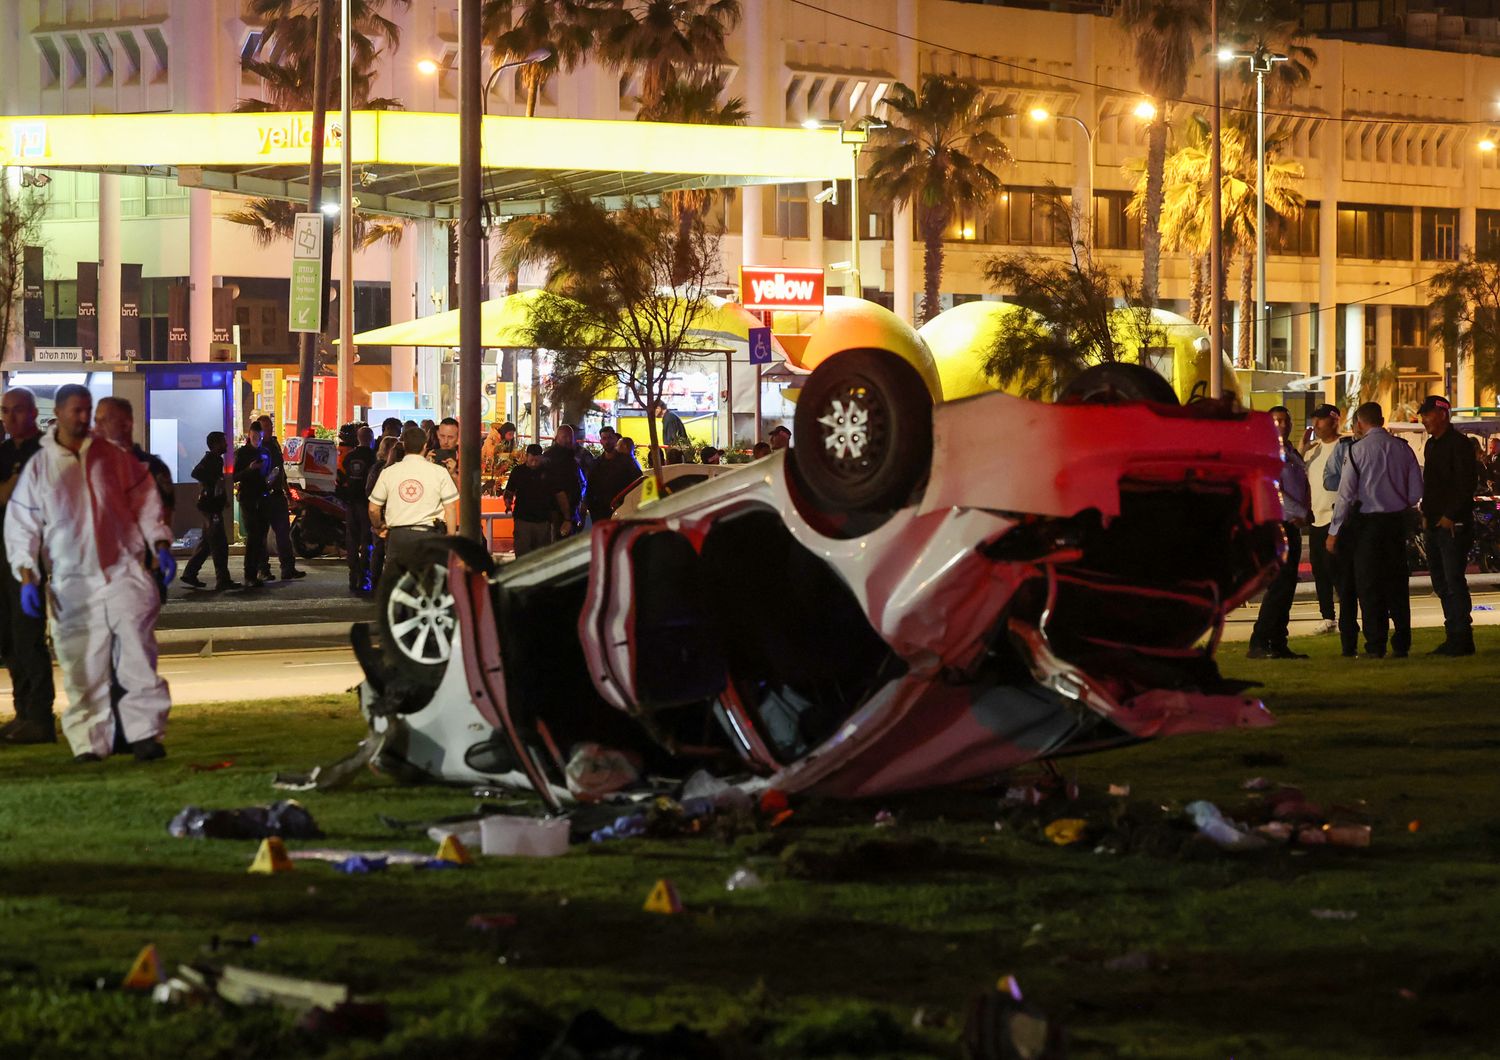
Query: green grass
{"points": [[800, 968]]}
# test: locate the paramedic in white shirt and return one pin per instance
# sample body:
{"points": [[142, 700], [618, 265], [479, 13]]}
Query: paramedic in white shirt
{"points": [[412, 499], [88, 513], [1325, 421]]}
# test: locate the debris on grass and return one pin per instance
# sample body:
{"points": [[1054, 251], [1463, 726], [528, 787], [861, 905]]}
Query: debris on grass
{"points": [[504, 835], [744, 879], [209, 767], [491, 922], [286, 818], [1333, 914], [1224, 833], [595, 771], [1066, 831], [360, 865], [885, 819]]}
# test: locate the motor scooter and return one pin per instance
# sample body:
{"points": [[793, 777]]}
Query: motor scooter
{"points": [[318, 521]]}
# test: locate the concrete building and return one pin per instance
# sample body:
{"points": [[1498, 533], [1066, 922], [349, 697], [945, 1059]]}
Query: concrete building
{"points": [[1390, 137]]}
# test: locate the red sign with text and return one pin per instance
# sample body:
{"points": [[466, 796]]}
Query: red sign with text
{"points": [[774, 287]]}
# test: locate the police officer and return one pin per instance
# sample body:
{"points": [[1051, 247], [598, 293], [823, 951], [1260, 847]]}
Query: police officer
{"points": [[1450, 471], [1380, 482], [1269, 638], [412, 499], [213, 498], [25, 637], [349, 485]]}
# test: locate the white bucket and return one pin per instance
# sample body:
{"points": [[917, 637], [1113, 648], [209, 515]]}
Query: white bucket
{"points": [[523, 837]]}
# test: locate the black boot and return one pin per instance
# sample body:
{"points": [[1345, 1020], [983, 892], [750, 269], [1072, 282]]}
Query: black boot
{"points": [[1462, 641]]}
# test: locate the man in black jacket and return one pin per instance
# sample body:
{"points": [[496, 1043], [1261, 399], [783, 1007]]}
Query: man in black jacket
{"points": [[1449, 474], [350, 486], [250, 466], [213, 498], [278, 514]]}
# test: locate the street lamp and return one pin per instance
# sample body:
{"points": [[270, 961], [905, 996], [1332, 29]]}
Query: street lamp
{"points": [[1486, 145], [1082, 228], [1145, 110], [471, 241], [1262, 61], [428, 67], [856, 136]]}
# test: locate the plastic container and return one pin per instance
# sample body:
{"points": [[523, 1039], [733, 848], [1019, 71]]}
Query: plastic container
{"points": [[523, 837]]}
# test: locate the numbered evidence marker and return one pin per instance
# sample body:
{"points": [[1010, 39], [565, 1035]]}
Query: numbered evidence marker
{"points": [[663, 898], [307, 274]]}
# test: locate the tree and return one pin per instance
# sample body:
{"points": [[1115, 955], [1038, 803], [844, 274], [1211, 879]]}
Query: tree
{"points": [[938, 153], [668, 39], [285, 61], [1187, 223], [610, 310], [1081, 314], [1274, 26], [1465, 297], [20, 227], [1168, 36], [514, 29]]}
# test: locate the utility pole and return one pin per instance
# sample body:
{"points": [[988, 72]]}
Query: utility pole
{"points": [[346, 222], [471, 82], [308, 361], [1216, 236]]}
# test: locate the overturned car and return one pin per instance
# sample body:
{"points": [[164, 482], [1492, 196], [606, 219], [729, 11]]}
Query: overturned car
{"points": [[914, 595]]}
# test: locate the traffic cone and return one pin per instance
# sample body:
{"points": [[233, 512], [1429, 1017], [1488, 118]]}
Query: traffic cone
{"points": [[145, 973], [271, 857], [452, 849], [663, 898]]}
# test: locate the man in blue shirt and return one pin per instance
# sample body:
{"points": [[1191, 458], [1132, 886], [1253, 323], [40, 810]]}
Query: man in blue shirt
{"points": [[1380, 482], [1269, 638]]}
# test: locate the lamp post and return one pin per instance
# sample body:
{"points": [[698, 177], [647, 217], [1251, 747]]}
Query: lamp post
{"points": [[471, 238], [1262, 60], [856, 136], [1082, 226], [346, 227]]}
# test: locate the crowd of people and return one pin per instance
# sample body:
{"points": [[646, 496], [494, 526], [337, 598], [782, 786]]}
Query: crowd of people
{"points": [[1354, 495]]}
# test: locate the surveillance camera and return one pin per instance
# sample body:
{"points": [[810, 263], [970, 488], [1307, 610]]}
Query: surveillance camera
{"points": [[827, 195]]}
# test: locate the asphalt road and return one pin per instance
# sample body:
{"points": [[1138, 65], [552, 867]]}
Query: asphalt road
{"points": [[1425, 612]]}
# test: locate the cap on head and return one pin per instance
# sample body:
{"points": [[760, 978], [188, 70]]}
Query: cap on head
{"points": [[1322, 412], [1432, 403]]}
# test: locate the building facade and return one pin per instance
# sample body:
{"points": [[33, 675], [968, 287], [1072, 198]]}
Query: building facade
{"points": [[1389, 136]]}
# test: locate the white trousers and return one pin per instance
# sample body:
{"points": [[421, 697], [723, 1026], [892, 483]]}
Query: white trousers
{"points": [[108, 631]]}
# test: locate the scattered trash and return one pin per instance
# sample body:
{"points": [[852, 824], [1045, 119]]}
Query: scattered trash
{"points": [[287, 818], [1484, 607], [1414, 826], [885, 819], [334, 855], [1333, 914], [1135, 961], [524, 837], [781, 818], [359, 865], [1066, 831], [245, 986], [1121, 791], [773, 802], [1002, 1026], [1225, 833], [595, 771], [469, 833], [491, 922], [663, 898], [145, 973], [271, 857], [1256, 784], [454, 852], [1348, 835], [744, 880], [336, 774], [209, 767]]}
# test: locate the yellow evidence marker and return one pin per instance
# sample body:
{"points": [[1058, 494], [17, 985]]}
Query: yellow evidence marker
{"points": [[663, 898], [271, 857], [145, 973]]}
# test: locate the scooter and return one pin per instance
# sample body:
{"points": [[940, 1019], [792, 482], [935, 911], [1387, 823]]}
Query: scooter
{"points": [[318, 521]]}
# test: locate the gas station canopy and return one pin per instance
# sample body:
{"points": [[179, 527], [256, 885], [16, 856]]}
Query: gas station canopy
{"points": [[407, 163]]}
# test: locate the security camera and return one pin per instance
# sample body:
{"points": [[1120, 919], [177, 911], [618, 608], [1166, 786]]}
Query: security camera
{"points": [[827, 195]]}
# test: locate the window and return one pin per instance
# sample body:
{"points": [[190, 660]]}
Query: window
{"points": [[1114, 228], [1409, 338], [836, 214], [250, 50], [78, 63], [1376, 232], [51, 61], [106, 57], [158, 45], [1297, 236], [1487, 233], [132, 49], [1034, 217], [1439, 234], [791, 211]]}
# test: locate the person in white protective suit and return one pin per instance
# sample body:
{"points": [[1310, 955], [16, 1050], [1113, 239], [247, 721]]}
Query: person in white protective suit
{"points": [[88, 513]]}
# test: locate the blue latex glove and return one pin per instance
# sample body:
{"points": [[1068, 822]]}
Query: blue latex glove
{"points": [[165, 564], [31, 599]]}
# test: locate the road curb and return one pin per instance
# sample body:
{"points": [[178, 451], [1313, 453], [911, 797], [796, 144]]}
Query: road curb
{"points": [[218, 640]]}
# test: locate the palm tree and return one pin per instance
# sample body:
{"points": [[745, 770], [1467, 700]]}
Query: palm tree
{"points": [[938, 153], [668, 39], [289, 44], [1167, 35], [566, 28], [1187, 208], [1275, 26], [693, 99]]}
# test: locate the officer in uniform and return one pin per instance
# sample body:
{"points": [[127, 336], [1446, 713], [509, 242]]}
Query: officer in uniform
{"points": [[1450, 472], [1380, 482], [354, 472]]}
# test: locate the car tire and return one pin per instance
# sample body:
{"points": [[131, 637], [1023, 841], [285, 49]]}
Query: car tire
{"points": [[1116, 382], [416, 609], [864, 435]]}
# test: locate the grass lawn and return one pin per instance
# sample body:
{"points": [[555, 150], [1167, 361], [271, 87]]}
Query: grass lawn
{"points": [[1237, 965]]}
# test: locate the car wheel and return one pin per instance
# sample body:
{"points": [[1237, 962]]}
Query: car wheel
{"points": [[303, 547], [864, 433], [415, 605], [1108, 384]]}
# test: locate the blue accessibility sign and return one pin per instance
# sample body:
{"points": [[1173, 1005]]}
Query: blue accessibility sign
{"points": [[760, 345]]}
